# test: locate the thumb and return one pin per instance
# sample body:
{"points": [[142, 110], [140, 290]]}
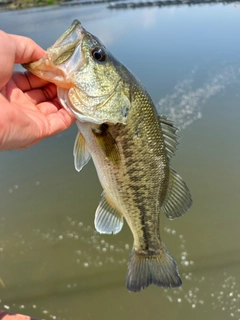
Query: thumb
{"points": [[25, 49], [16, 49]]}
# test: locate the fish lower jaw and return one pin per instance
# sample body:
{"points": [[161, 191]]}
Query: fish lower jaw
{"points": [[45, 69]]}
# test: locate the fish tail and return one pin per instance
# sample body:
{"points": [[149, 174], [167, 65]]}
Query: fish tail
{"points": [[145, 268]]}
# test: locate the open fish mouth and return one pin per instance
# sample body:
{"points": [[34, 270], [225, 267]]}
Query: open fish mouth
{"points": [[56, 65]]}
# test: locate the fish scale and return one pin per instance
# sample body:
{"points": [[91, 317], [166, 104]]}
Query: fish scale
{"points": [[130, 145], [142, 195]]}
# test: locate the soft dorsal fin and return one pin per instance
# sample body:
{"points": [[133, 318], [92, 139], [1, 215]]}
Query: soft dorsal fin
{"points": [[170, 136], [80, 152], [178, 198], [107, 219], [107, 144]]}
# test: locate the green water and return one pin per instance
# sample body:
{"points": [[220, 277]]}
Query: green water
{"points": [[53, 264]]}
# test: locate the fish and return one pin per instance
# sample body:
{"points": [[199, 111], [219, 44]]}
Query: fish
{"points": [[130, 144]]}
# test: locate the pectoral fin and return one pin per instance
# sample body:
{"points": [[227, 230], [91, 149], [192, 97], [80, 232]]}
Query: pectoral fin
{"points": [[107, 144], [107, 219], [80, 152], [178, 198]]}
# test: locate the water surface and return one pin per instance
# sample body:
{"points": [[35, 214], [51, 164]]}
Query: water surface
{"points": [[53, 265]]}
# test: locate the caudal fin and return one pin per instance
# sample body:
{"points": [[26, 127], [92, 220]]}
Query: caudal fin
{"points": [[145, 269]]}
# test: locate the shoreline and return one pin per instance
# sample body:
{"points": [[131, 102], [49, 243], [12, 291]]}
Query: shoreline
{"points": [[25, 4], [112, 4]]}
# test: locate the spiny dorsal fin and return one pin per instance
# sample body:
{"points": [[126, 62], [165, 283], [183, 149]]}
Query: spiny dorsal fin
{"points": [[80, 152], [169, 134], [107, 219], [107, 144], [178, 198]]}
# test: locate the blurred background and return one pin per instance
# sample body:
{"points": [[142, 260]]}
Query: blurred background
{"points": [[53, 264]]}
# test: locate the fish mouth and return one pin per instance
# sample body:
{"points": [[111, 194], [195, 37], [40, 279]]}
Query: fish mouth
{"points": [[56, 66]]}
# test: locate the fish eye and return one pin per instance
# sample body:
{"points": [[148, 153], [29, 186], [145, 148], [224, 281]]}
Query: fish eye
{"points": [[99, 54]]}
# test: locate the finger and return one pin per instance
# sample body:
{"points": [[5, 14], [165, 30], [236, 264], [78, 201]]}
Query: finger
{"points": [[57, 122], [48, 108], [16, 49], [25, 49], [33, 97], [27, 81], [46, 93], [60, 121]]}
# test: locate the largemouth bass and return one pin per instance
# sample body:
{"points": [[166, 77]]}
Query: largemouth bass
{"points": [[131, 147]]}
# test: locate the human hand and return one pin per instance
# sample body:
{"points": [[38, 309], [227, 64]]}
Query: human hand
{"points": [[29, 107]]}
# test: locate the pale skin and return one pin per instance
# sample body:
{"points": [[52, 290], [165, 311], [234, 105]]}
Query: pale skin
{"points": [[29, 107]]}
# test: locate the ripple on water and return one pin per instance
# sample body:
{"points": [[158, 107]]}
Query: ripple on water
{"points": [[91, 251]]}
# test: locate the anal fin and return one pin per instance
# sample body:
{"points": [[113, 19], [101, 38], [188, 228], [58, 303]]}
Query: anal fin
{"points": [[178, 198], [107, 219]]}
